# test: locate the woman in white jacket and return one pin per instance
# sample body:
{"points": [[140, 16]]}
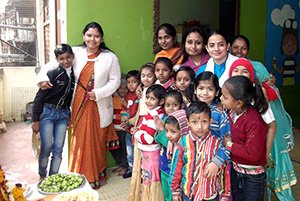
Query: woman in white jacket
{"points": [[97, 75]]}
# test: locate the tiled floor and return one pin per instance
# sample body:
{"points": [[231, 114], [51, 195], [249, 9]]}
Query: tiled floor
{"points": [[19, 164]]}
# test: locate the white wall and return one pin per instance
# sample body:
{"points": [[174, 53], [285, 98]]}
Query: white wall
{"points": [[178, 11]]}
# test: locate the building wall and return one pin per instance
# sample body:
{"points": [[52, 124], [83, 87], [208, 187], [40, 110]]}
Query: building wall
{"points": [[127, 27]]}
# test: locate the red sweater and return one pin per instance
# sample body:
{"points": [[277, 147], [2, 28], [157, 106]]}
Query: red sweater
{"points": [[249, 139]]}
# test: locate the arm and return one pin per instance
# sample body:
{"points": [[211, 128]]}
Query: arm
{"points": [[175, 175], [42, 76], [161, 138], [114, 79], [37, 109], [270, 136]]}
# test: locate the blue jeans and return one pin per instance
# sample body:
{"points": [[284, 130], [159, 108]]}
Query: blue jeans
{"points": [[129, 150], [53, 126], [247, 187]]}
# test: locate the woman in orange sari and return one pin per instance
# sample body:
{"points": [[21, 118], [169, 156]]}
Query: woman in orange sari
{"points": [[97, 73]]}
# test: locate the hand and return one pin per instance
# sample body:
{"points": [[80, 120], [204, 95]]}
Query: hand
{"points": [[35, 127], [124, 122], [133, 130], [159, 124], [170, 148], [220, 106], [177, 198], [211, 170], [91, 95], [139, 91], [45, 85], [226, 139]]}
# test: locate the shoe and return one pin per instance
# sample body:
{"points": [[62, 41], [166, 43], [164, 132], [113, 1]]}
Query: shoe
{"points": [[128, 174], [122, 172]]}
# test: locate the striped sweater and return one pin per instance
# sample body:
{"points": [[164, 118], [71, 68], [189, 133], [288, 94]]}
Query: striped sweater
{"points": [[192, 156], [147, 129]]}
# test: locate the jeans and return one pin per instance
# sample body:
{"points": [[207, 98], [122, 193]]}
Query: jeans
{"points": [[129, 150], [247, 187], [53, 126]]}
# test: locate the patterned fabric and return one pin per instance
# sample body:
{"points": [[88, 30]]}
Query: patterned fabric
{"points": [[166, 85], [174, 54], [204, 58], [119, 103], [147, 129], [88, 142], [192, 156]]}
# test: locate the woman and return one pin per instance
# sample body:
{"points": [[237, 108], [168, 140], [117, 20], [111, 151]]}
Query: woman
{"points": [[220, 60], [194, 54], [282, 176], [167, 40], [97, 74]]}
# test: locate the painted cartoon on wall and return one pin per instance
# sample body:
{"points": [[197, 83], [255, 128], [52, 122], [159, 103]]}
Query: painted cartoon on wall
{"points": [[282, 41]]}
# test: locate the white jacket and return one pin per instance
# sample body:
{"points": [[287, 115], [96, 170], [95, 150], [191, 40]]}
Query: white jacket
{"points": [[107, 77]]}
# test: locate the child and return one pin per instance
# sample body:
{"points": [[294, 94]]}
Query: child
{"points": [[144, 134], [119, 153], [280, 171], [163, 72], [194, 153], [173, 103], [207, 90], [184, 78], [51, 111], [248, 143], [128, 114]]}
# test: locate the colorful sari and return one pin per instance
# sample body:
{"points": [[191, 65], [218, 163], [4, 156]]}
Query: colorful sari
{"points": [[174, 54], [88, 142]]}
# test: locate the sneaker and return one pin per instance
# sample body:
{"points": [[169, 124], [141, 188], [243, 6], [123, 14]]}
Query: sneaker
{"points": [[128, 174]]}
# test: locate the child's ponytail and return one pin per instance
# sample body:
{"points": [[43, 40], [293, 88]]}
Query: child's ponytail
{"points": [[260, 102]]}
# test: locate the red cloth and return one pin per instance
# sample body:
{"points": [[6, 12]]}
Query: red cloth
{"points": [[243, 62], [271, 93]]}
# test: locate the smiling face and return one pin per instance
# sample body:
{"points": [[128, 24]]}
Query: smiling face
{"points": [[92, 39], [241, 70], [147, 77], [239, 48], [199, 123], [194, 44], [217, 48], [206, 91], [171, 105], [152, 101], [183, 80], [172, 132], [162, 72], [165, 40], [65, 60]]}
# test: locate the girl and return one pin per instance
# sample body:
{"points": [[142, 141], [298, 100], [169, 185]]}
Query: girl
{"points": [[220, 61], [207, 90], [167, 41], [173, 103], [194, 53], [184, 78], [281, 176], [163, 72], [248, 143], [144, 134]]}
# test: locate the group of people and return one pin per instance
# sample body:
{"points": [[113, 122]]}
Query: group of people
{"points": [[200, 122]]}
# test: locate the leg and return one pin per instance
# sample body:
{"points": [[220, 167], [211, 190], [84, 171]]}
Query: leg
{"points": [[46, 133], [254, 187], [129, 150], [236, 184], [60, 128], [122, 139]]}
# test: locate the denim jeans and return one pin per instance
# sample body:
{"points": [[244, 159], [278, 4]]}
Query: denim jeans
{"points": [[53, 126], [129, 150], [247, 187]]}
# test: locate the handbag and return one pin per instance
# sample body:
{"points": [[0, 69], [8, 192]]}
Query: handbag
{"points": [[36, 144]]}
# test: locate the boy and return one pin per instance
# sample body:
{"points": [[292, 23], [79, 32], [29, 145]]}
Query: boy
{"points": [[188, 177], [51, 110], [119, 103], [128, 114]]}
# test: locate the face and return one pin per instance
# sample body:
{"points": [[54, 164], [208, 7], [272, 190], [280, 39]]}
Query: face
{"points": [[147, 77], [183, 80], [171, 105], [239, 48], [122, 90], [199, 123], [172, 132], [206, 91], [289, 45], [65, 60], [194, 44], [132, 83], [162, 72], [217, 48], [226, 99], [165, 41], [92, 39], [241, 70], [152, 101]]}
